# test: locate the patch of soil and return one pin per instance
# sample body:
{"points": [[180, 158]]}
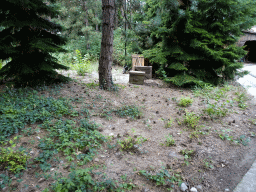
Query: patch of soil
{"points": [[216, 164]]}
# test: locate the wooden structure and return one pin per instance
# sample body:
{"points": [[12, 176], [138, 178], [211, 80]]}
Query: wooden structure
{"points": [[136, 77], [146, 69], [139, 60], [248, 36]]}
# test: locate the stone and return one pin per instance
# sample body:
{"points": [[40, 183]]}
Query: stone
{"points": [[183, 187], [41, 180], [96, 160], [227, 190], [172, 154], [37, 137], [193, 189], [199, 187]]}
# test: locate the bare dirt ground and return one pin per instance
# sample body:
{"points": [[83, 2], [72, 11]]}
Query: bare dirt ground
{"points": [[211, 159]]}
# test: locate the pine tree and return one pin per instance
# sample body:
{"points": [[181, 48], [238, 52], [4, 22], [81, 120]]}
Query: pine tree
{"points": [[28, 39], [106, 58], [197, 39], [82, 21]]}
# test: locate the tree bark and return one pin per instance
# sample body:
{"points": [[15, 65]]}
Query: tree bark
{"points": [[105, 60]]}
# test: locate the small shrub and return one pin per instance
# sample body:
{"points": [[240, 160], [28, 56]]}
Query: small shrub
{"points": [[169, 141], [169, 123], [131, 111], [184, 102], [82, 65], [131, 142], [12, 160], [187, 154], [191, 119]]}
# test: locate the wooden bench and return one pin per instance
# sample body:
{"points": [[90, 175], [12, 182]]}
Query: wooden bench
{"points": [[146, 69], [136, 77]]}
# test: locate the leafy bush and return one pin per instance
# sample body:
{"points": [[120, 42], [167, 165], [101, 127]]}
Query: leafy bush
{"points": [[184, 102], [11, 159], [130, 142], [191, 119], [82, 65]]}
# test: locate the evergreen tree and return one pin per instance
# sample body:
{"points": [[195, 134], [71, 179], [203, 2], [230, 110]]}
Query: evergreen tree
{"points": [[82, 20], [28, 39], [195, 41]]}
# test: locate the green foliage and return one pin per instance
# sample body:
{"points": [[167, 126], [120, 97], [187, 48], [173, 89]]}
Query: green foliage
{"points": [[241, 99], [29, 45], [28, 131], [163, 177], [20, 106], [169, 141], [1, 63], [191, 119], [197, 132], [92, 85], [130, 111], [211, 92], [83, 180], [119, 47], [216, 109], [188, 154], [82, 26], [169, 123], [184, 102], [243, 140], [82, 65], [208, 164], [253, 121], [225, 136], [13, 160], [5, 181], [129, 144], [210, 55], [71, 140]]}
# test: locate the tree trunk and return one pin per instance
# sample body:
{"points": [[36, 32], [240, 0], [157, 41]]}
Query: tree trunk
{"points": [[105, 60]]}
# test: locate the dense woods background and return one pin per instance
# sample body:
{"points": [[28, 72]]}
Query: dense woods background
{"points": [[189, 42]]}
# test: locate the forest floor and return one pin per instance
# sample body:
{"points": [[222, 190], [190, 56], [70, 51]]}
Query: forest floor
{"points": [[155, 136]]}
